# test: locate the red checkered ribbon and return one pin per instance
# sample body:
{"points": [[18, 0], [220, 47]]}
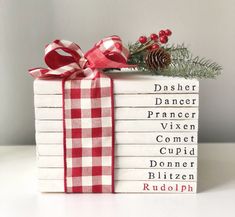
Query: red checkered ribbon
{"points": [[88, 114]]}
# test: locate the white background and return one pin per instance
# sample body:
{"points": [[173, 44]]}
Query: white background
{"points": [[26, 26]]}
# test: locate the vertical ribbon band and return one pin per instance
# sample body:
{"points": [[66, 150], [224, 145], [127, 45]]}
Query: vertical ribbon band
{"points": [[88, 110], [88, 134]]}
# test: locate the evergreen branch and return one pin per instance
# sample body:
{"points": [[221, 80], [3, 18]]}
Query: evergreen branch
{"points": [[192, 68], [183, 64], [178, 51]]}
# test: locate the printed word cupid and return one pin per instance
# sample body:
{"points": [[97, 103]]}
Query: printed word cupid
{"points": [[175, 87], [179, 151]]}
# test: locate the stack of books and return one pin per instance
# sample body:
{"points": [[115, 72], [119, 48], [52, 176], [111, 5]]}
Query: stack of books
{"points": [[156, 127]]}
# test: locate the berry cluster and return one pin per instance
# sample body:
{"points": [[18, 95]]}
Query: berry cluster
{"points": [[154, 39]]}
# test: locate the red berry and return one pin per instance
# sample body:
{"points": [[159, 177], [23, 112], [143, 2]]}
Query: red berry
{"points": [[168, 32], [155, 47], [154, 37], [142, 39], [164, 39], [162, 33], [118, 45]]}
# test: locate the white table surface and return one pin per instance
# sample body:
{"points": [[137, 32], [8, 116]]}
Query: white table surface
{"points": [[19, 196]]}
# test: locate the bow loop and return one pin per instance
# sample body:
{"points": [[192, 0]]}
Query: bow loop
{"points": [[66, 59], [113, 49], [54, 58], [108, 53]]}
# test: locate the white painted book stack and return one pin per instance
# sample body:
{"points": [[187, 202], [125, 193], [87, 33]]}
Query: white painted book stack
{"points": [[156, 125]]}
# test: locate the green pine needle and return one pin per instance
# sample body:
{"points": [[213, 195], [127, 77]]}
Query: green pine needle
{"points": [[183, 64]]}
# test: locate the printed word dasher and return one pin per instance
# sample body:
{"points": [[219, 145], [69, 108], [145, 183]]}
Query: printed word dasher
{"points": [[178, 87]]}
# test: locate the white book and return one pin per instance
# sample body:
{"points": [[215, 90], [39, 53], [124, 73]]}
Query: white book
{"points": [[129, 125], [155, 187], [133, 150], [130, 186], [156, 124], [130, 83], [155, 175], [156, 150], [137, 100], [130, 138], [130, 113], [156, 162], [132, 174], [57, 161], [156, 138]]}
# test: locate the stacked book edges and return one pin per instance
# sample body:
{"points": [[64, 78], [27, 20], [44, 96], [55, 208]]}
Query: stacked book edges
{"points": [[156, 125]]}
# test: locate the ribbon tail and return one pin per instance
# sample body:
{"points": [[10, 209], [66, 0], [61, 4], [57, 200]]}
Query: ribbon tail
{"points": [[39, 72], [64, 71]]}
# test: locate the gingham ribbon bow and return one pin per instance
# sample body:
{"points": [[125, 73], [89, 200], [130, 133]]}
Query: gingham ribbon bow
{"points": [[88, 110], [107, 53]]}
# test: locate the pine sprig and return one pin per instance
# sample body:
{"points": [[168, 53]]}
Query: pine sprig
{"points": [[178, 51], [137, 58], [183, 64], [193, 68]]}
